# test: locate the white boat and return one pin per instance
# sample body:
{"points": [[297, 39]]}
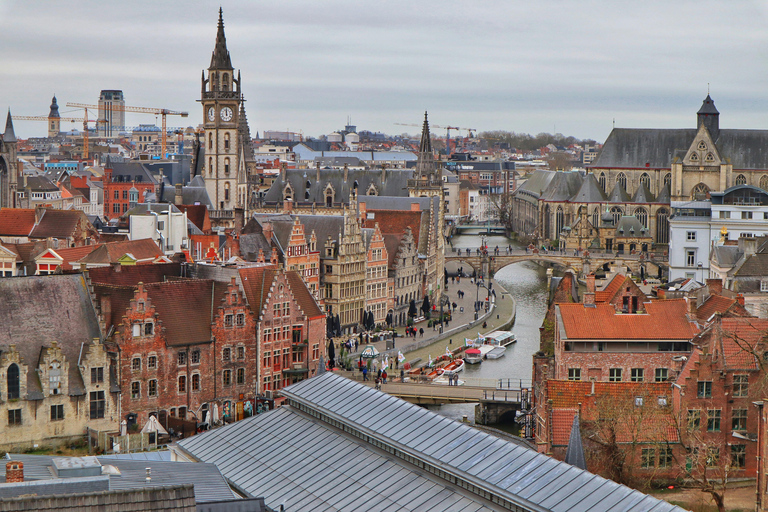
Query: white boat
{"points": [[500, 338], [496, 352], [473, 355], [453, 367]]}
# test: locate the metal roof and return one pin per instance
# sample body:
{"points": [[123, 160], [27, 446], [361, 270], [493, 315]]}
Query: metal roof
{"points": [[340, 445]]}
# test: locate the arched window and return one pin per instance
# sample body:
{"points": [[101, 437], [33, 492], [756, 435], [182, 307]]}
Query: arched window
{"points": [[210, 141], [616, 213], [328, 196], [700, 192], [621, 179], [741, 180], [210, 164], [226, 142], [764, 182], [559, 221], [662, 226], [226, 165], [668, 180], [225, 82], [645, 179], [226, 191], [13, 382], [694, 157], [709, 158], [702, 145], [601, 181], [642, 215], [596, 217]]}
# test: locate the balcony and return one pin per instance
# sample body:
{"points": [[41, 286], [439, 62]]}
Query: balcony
{"points": [[296, 369], [221, 214]]}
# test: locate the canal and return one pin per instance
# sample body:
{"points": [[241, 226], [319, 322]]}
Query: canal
{"points": [[526, 282]]}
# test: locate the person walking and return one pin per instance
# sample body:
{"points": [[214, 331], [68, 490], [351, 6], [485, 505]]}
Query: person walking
{"points": [[365, 373], [421, 332], [384, 377], [378, 383]]}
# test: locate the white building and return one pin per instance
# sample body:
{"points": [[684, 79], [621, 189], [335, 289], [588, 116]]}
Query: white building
{"points": [[164, 224], [696, 226]]}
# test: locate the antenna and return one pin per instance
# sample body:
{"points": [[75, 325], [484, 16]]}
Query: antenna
{"points": [[614, 122], [707, 88]]}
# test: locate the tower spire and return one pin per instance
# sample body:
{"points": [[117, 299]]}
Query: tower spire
{"points": [[425, 165], [9, 135], [220, 58]]}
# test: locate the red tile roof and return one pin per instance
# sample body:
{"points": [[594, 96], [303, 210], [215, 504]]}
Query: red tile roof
{"points": [[256, 283], [302, 295], [16, 221], [71, 255], [719, 304], [562, 421], [394, 222], [662, 320], [197, 214], [715, 286], [134, 274], [57, 223], [610, 291], [144, 250], [740, 339]]}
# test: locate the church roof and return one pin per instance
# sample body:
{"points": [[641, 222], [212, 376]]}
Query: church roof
{"points": [[563, 186], [618, 195], [708, 106], [590, 191], [220, 57], [643, 195], [425, 165], [631, 226], [635, 148], [664, 195], [9, 135], [54, 108], [574, 455]]}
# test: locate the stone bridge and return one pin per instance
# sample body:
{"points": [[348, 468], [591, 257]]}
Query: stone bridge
{"points": [[583, 264]]}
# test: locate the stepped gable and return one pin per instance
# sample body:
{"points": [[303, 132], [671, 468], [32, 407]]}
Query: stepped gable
{"points": [[45, 309]]}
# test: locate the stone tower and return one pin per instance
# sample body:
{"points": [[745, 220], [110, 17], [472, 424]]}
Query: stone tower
{"points": [[221, 98], [54, 119], [9, 167]]}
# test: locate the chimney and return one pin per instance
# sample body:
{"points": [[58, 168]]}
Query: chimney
{"points": [[383, 173], [14, 472], [261, 259], [589, 298], [748, 245], [317, 166], [266, 228], [691, 305], [273, 257], [282, 171], [239, 220], [740, 298], [591, 283], [178, 197], [106, 308], [346, 173]]}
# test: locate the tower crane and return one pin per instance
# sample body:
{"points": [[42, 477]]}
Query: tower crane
{"points": [[141, 110], [84, 119], [447, 133]]}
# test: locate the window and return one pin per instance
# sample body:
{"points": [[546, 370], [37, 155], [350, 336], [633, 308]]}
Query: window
{"points": [[57, 412], [648, 458], [195, 357], [152, 362], [241, 353], [14, 417], [229, 320], [764, 285], [704, 389], [136, 331], [195, 382], [637, 374], [98, 404], [739, 419], [694, 419], [713, 420], [740, 385], [227, 377], [182, 383], [661, 374], [690, 258], [738, 455], [746, 215], [713, 456], [691, 236], [226, 166], [639, 401], [574, 373], [241, 375], [662, 401], [240, 319], [135, 390], [621, 179], [136, 364], [614, 375], [152, 387], [182, 357], [226, 354], [665, 457], [741, 179], [97, 375], [149, 329], [12, 379]]}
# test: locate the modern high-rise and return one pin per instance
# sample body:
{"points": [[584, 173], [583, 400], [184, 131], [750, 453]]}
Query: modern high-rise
{"points": [[111, 114]]}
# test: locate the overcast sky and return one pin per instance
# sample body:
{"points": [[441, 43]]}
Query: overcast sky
{"points": [[524, 66]]}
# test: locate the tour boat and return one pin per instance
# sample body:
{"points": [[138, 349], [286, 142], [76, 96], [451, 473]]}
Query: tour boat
{"points": [[453, 367], [500, 338], [473, 356], [496, 352]]}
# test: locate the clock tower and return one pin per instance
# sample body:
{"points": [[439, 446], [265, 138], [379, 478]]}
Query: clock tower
{"points": [[221, 98]]}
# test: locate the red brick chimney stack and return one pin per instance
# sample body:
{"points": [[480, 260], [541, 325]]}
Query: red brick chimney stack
{"points": [[14, 471], [591, 283]]}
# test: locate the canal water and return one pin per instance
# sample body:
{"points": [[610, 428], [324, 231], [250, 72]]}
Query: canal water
{"points": [[527, 283]]}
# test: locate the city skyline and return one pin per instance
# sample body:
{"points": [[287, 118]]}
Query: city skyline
{"points": [[543, 67]]}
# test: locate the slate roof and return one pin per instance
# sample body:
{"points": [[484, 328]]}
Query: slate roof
{"points": [[40, 184], [755, 265], [536, 184], [16, 221], [208, 481], [131, 171], [630, 226], [662, 320], [57, 223], [45, 309], [310, 465], [643, 195], [631, 148], [618, 195], [9, 135], [563, 186], [725, 255], [322, 225], [590, 191]]}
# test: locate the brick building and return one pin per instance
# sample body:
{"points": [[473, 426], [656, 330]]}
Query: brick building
{"points": [[302, 256], [126, 185], [377, 278]]}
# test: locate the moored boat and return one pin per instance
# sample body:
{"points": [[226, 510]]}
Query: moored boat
{"points": [[499, 338], [473, 356], [453, 367], [496, 352]]}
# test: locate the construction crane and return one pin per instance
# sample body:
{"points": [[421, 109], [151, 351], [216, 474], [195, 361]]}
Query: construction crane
{"points": [[447, 133], [141, 110], [84, 119]]}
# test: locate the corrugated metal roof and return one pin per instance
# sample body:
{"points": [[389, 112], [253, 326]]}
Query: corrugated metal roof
{"points": [[287, 455]]}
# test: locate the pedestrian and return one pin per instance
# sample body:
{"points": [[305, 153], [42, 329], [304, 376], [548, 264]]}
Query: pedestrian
{"points": [[402, 375], [414, 333], [453, 279], [378, 374], [355, 344], [485, 325], [454, 307], [421, 332], [378, 383], [365, 373], [384, 377]]}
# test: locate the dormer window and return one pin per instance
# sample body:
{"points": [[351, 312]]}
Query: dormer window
{"points": [[54, 378]]}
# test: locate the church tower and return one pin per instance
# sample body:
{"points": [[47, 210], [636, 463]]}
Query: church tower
{"points": [[54, 119], [9, 166], [221, 98]]}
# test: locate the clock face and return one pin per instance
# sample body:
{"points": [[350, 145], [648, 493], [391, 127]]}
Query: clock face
{"points": [[211, 114], [226, 114]]}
